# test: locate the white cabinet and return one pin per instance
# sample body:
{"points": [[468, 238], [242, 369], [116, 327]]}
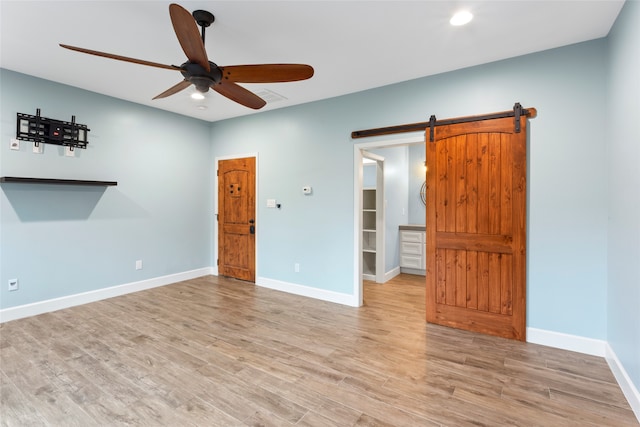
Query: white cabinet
{"points": [[413, 250]]}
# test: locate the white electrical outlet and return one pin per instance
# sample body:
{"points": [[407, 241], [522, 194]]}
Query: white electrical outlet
{"points": [[69, 151], [13, 284], [139, 264], [37, 147], [15, 144]]}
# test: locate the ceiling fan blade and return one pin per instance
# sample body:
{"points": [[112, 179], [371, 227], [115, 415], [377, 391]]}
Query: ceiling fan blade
{"points": [[120, 58], [174, 89], [239, 94], [267, 73], [186, 30]]}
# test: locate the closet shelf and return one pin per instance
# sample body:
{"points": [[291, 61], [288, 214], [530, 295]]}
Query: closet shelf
{"points": [[23, 180]]}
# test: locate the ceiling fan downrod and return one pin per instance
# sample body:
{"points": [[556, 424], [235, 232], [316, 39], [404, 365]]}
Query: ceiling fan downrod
{"points": [[204, 19]]}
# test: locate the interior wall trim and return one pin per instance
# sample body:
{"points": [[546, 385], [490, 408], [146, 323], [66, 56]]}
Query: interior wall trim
{"points": [[592, 347], [569, 342], [47, 306], [391, 274], [308, 291], [624, 381]]}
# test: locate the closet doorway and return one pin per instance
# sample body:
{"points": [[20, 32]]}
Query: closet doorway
{"points": [[362, 151]]}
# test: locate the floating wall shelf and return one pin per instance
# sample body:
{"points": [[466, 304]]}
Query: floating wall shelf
{"points": [[21, 180]]}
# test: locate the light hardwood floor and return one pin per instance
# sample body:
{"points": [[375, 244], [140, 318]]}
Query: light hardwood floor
{"points": [[220, 352]]}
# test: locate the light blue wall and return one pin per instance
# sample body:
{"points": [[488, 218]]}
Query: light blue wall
{"points": [[310, 144], [369, 175], [623, 161], [60, 240]]}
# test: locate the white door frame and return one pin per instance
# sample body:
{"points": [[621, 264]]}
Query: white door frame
{"points": [[358, 149]]}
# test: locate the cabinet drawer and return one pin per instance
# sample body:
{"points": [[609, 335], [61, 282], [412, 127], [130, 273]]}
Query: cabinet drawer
{"points": [[411, 236], [409, 248], [409, 261]]}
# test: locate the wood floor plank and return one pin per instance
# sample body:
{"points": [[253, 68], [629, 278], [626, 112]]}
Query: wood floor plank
{"points": [[221, 352], [15, 407]]}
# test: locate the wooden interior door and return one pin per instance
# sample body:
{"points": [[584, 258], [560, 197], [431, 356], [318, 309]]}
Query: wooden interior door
{"points": [[236, 218], [476, 227]]}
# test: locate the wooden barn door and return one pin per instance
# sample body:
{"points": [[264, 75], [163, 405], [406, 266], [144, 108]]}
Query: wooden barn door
{"points": [[236, 218], [476, 227]]}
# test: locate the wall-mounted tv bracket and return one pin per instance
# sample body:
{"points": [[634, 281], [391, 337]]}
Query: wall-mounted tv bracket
{"points": [[40, 129]]}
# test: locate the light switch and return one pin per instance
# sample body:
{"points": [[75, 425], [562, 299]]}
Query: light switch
{"points": [[271, 203], [306, 189]]}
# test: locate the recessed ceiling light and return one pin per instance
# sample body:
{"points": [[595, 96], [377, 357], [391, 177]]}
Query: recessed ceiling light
{"points": [[197, 95], [461, 18]]}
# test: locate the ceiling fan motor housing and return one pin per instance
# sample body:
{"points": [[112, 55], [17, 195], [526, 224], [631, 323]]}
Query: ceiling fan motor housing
{"points": [[199, 77]]}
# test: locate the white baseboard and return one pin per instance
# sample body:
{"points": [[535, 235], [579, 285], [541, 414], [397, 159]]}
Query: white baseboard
{"points": [[370, 277], [628, 388], [33, 309], [307, 291], [391, 274], [385, 278], [577, 343], [413, 271]]}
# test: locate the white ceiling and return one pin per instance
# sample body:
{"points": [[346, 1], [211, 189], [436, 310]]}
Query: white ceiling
{"points": [[352, 45]]}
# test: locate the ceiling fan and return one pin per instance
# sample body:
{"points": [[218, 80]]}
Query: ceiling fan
{"points": [[204, 74]]}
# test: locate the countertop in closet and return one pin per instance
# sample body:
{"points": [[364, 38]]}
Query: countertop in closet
{"points": [[412, 227]]}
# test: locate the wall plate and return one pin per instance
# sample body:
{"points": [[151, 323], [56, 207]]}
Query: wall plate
{"points": [[38, 147], [15, 144]]}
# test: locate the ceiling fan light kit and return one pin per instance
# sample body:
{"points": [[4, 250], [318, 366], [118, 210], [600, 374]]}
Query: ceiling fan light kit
{"points": [[204, 74], [460, 18]]}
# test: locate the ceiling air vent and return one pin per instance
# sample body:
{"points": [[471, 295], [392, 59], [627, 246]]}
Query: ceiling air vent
{"points": [[270, 96]]}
